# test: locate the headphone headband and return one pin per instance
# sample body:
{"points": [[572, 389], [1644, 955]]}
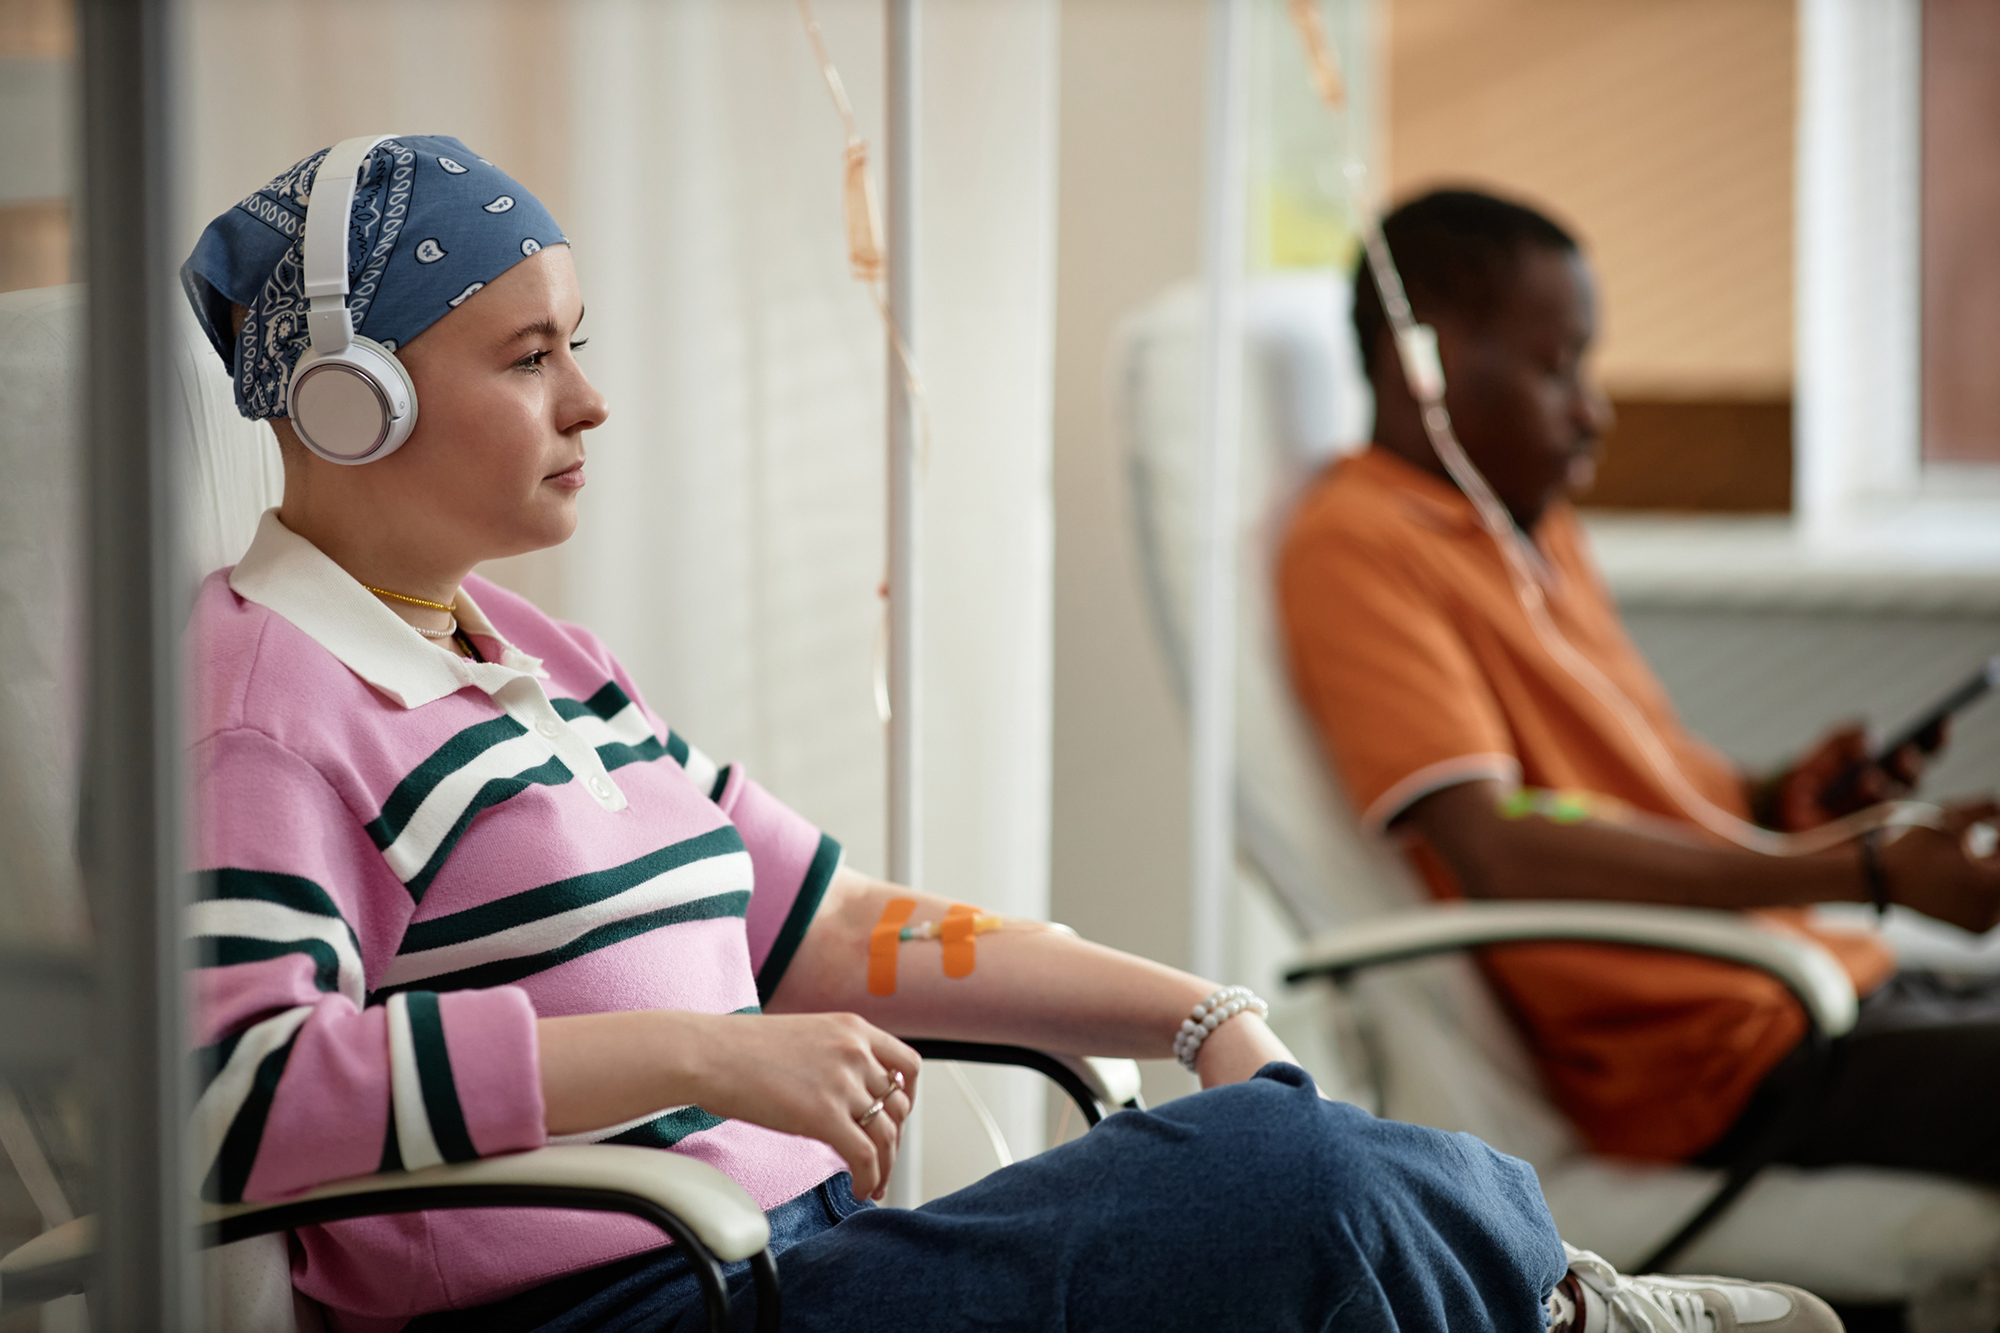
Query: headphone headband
{"points": [[350, 400], [329, 327]]}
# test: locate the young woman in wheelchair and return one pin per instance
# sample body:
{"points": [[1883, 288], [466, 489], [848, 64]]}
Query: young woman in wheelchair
{"points": [[464, 894]]}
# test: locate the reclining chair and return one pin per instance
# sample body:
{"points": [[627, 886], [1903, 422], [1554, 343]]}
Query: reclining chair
{"points": [[1427, 1041], [232, 476]]}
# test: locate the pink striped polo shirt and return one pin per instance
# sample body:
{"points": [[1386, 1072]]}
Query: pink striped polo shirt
{"points": [[405, 859]]}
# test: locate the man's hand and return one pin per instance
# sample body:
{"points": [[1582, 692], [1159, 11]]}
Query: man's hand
{"points": [[1933, 871], [1800, 796]]}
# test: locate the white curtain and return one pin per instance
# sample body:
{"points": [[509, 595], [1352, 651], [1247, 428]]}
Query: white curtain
{"points": [[733, 537]]}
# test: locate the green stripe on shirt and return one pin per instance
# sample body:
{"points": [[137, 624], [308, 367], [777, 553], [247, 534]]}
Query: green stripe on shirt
{"points": [[447, 759], [553, 773], [267, 886], [228, 950], [793, 933], [441, 1108], [231, 1169], [565, 895], [505, 971], [667, 1130]]}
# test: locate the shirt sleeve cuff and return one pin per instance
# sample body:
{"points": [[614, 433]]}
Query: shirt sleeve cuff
{"points": [[496, 1067], [1383, 810]]}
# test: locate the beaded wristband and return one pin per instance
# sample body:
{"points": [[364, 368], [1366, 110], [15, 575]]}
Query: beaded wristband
{"points": [[1211, 1014]]}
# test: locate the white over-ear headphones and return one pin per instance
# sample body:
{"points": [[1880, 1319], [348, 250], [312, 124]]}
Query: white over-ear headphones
{"points": [[349, 398]]}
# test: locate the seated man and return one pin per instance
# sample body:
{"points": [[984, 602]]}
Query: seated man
{"points": [[1456, 727], [463, 893]]}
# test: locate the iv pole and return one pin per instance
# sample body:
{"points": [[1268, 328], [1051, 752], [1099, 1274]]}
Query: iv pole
{"points": [[903, 180], [1212, 673]]}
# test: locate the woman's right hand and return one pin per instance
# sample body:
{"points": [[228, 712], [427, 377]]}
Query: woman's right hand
{"points": [[810, 1074], [1933, 871]]}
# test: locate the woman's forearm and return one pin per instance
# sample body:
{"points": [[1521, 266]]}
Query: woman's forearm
{"points": [[1029, 987], [605, 1069], [815, 1075]]}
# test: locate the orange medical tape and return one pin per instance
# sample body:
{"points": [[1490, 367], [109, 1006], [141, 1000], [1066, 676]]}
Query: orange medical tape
{"points": [[882, 944], [959, 926]]}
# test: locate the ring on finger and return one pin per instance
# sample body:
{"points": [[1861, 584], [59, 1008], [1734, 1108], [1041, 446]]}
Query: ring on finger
{"points": [[874, 1109]]}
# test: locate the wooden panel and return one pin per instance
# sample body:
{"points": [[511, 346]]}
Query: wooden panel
{"points": [[1661, 129], [1961, 184], [34, 244], [37, 30], [1717, 455]]}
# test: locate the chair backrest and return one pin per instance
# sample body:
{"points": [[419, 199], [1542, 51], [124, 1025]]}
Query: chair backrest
{"points": [[41, 622], [1305, 401], [230, 473], [1440, 1052]]}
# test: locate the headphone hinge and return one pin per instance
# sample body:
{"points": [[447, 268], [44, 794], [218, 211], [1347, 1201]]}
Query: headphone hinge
{"points": [[330, 325]]}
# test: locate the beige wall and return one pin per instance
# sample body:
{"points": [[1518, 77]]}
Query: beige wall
{"points": [[1128, 225], [1662, 129]]}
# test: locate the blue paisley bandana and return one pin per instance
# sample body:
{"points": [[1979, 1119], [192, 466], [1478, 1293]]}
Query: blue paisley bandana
{"points": [[433, 222]]}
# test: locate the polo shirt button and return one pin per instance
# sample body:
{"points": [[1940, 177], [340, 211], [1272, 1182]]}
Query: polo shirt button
{"points": [[546, 726], [601, 788]]}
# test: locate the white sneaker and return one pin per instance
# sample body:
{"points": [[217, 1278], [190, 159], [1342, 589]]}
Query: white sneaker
{"points": [[1614, 1303]]}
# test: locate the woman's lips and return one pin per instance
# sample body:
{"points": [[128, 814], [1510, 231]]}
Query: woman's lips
{"points": [[570, 478]]}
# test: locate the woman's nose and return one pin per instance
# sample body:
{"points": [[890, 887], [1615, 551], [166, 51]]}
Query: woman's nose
{"points": [[587, 409]]}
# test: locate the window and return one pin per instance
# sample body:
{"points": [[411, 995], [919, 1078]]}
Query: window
{"points": [[1961, 197]]}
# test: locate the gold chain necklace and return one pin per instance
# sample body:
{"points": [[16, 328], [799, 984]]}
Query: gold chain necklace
{"points": [[413, 601], [451, 610]]}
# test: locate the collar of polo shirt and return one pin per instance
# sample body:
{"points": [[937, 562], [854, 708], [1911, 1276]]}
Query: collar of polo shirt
{"points": [[289, 575]]}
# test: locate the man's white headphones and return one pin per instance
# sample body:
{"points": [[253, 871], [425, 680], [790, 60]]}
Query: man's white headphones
{"points": [[349, 398]]}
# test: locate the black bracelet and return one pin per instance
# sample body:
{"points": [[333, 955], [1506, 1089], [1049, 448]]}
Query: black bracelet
{"points": [[1872, 871]]}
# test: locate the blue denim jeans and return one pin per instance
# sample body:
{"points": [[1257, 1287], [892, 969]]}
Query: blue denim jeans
{"points": [[1256, 1206]]}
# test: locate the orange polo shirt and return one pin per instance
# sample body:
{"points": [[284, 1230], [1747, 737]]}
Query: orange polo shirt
{"points": [[1411, 652]]}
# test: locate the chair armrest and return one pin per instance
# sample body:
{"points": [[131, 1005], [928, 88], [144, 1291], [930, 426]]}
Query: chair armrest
{"points": [[696, 1197], [52, 1265], [715, 1208], [1806, 969], [1114, 1080], [1099, 1085]]}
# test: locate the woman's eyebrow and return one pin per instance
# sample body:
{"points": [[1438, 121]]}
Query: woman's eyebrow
{"points": [[540, 328], [545, 327]]}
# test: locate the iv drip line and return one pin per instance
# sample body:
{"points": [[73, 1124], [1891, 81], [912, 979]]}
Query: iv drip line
{"points": [[862, 210], [867, 262]]}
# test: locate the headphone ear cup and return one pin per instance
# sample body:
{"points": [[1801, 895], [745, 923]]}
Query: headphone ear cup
{"points": [[352, 406]]}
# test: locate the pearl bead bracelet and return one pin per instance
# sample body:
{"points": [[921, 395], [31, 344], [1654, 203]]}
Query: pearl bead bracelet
{"points": [[1211, 1014]]}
